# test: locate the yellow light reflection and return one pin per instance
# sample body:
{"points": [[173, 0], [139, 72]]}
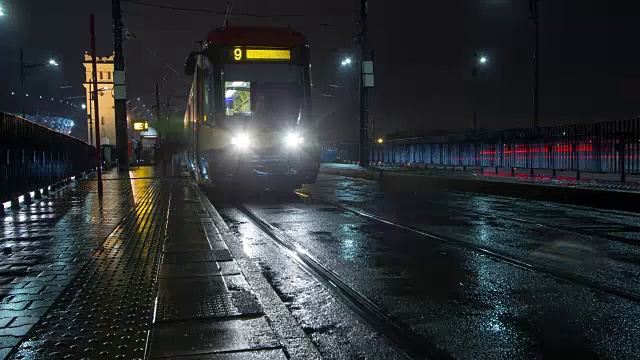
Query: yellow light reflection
{"points": [[268, 54]]}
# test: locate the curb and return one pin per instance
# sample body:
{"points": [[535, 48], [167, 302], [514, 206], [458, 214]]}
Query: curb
{"points": [[286, 328], [424, 184]]}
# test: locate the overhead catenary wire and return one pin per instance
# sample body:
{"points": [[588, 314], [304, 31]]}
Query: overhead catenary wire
{"points": [[224, 12]]}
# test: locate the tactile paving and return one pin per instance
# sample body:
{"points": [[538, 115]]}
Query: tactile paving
{"points": [[107, 311]]}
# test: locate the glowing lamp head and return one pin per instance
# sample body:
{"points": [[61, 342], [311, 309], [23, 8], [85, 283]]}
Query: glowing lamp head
{"points": [[241, 141], [53, 62], [293, 140], [380, 140]]}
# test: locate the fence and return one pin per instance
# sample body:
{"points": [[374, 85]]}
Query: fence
{"points": [[34, 156], [607, 147], [612, 147]]}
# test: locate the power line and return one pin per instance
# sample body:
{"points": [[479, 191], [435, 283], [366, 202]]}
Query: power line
{"points": [[173, 7], [210, 11]]}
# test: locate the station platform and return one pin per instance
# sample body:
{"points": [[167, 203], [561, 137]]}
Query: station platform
{"points": [[601, 181], [592, 190], [148, 271]]}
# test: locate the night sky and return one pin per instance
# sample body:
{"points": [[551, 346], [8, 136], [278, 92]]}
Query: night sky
{"points": [[590, 59]]}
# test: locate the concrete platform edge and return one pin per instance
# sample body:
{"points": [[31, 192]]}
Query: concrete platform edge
{"points": [[423, 184], [290, 334]]}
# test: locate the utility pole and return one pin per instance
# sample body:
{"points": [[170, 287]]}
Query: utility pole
{"points": [[94, 76], [168, 108], [22, 79], [158, 108], [535, 16], [364, 54], [474, 100], [90, 114], [533, 4], [120, 91]]}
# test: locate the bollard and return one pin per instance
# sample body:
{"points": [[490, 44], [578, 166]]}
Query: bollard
{"points": [[15, 204], [531, 173], [481, 170], [27, 198], [37, 194], [513, 171], [45, 190], [496, 170], [578, 175], [554, 177]]}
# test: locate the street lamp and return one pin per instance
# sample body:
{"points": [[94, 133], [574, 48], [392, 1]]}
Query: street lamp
{"points": [[84, 106], [380, 140], [24, 67], [480, 62], [1, 11], [346, 61]]}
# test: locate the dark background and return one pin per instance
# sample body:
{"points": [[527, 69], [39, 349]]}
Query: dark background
{"points": [[590, 59]]}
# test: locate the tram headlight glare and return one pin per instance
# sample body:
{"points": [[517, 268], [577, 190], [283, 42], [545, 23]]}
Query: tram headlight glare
{"points": [[293, 140], [241, 141]]}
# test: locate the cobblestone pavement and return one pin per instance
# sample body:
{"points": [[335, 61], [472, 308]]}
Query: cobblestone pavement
{"points": [[46, 245]]}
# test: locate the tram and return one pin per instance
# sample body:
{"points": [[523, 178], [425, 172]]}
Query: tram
{"points": [[248, 120]]}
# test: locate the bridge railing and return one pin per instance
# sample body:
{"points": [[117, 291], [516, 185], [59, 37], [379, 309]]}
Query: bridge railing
{"points": [[33, 157], [606, 147]]}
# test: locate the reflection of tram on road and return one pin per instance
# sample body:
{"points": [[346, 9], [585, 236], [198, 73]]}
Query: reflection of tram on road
{"points": [[248, 117]]}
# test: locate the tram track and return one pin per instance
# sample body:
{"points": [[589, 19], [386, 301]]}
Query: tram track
{"points": [[496, 254], [412, 345], [558, 228]]}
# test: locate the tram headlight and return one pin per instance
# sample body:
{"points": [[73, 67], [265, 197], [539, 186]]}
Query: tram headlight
{"points": [[293, 140], [241, 141]]}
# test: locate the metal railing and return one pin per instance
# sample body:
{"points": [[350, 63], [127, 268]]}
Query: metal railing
{"points": [[34, 157], [606, 147]]}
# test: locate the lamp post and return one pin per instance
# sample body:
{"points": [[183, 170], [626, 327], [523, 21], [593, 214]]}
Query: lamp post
{"points": [[91, 110], [480, 61], [24, 67]]}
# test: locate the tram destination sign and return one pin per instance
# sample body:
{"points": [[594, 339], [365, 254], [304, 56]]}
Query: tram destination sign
{"points": [[140, 125], [241, 53]]}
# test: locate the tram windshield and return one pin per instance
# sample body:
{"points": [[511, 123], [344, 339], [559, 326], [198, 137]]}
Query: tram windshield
{"points": [[271, 104]]}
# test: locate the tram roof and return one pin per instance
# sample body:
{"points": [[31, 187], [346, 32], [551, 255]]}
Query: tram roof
{"points": [[256, 36]]}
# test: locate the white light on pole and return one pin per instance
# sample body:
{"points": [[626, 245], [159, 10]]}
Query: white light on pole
{"points": [[1, 11], [84, 106], [346, 61], [53, 62], [483, 60]]}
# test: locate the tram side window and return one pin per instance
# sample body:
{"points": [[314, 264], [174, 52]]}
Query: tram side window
{"points": [[237, 97], [209, 94]]}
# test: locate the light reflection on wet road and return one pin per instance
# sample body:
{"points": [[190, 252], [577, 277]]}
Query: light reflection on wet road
{"points": [[471, 305]]}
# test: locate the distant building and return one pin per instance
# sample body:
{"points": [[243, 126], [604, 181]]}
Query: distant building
{"points": [[106, 102]]}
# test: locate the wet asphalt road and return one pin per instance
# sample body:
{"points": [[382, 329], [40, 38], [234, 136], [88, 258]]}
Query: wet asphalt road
{"points": [[458, 299]]}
